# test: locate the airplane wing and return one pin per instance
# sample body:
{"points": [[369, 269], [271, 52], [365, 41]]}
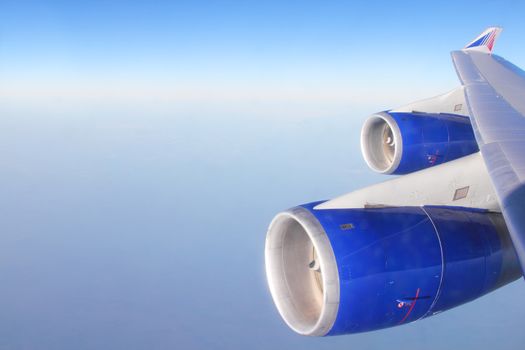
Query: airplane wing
{"points": [[495, 95], [424, 242]]}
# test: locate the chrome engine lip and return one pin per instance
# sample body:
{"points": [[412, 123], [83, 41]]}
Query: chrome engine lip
{"points": [[276, 275], [369, 146]]}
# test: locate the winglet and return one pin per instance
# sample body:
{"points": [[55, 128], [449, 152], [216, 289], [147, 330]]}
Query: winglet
{"points": [[485, 41]]}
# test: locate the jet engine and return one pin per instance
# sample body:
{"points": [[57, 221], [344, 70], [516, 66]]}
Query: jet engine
{"points": [[401, 143], [340, 271]]}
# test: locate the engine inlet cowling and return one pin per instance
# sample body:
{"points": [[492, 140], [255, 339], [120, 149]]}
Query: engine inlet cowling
{"points": [[302, 272], [340, 271], [381, 143], [400, 143]]}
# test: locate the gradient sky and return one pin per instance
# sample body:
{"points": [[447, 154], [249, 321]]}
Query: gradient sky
{"points": [[147, 145], [228, 51]]}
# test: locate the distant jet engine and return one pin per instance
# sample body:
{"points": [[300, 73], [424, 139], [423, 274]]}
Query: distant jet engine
{"points": [[401, 143], [340, 271]]}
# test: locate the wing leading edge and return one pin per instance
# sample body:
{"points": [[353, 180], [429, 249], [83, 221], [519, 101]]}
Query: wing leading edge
{"points": [[494, 91]]}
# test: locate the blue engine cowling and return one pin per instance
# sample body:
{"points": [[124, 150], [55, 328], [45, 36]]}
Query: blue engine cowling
{"points": [[401, 143], [340, 271]]}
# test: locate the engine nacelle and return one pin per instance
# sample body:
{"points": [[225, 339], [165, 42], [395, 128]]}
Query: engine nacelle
{"points": [[400, 142], [340, 271]]}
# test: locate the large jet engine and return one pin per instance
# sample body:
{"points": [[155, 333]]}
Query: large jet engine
{"points": [[341, 271], [401, 142]]}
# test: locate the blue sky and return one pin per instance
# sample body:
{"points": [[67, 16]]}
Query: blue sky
{"points": [[197, 51], [147, 146]]}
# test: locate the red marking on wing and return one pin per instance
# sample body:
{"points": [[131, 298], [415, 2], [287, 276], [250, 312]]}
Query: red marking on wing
{"points": [[490, 43], [411, 307]]}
